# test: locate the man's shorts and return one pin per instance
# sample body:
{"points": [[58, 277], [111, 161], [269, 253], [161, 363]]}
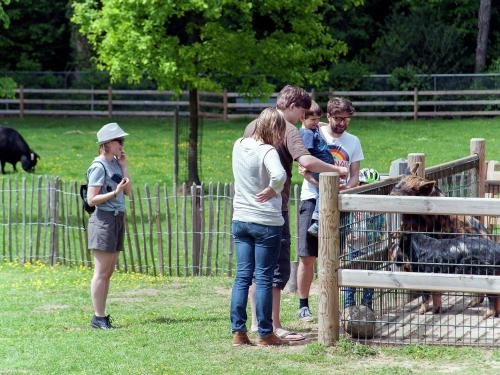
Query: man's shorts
{"points": [[282, 270], [308, 245]]}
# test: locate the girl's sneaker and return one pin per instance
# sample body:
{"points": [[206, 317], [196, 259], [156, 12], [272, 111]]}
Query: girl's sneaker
{"points": [[101, 322]]}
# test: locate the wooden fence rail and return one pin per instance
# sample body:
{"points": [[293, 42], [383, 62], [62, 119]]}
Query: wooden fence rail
{"points": [[230, 105]]}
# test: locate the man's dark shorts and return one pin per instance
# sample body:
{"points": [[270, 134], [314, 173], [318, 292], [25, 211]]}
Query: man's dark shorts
{"points": [[308, 245], [282, 270]]}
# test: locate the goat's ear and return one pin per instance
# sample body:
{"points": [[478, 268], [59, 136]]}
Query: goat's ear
{"points": [[37, 156], [426, 188]]}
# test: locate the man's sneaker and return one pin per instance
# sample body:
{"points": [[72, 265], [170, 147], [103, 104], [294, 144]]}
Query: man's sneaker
{"points": [[101, 322], [305, 314], [313, 229]]}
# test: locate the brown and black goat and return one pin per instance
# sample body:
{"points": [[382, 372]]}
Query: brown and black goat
{"points": [[431, 228]]}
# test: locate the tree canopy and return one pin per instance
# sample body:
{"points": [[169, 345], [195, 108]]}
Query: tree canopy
{"points": [[42, 37], [210, 44]]}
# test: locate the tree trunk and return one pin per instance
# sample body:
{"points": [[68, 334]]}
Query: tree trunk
{"points": [[193, 138], [482, 34]]}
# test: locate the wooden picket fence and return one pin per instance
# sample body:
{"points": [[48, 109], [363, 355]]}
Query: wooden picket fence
{"points": [[166, 234], [180, 230]]}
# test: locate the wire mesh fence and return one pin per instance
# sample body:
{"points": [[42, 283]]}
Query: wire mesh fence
{"points": [[101, 80], [430, 246]]}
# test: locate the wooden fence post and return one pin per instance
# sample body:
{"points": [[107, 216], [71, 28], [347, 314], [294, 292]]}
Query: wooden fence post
{"points": [[224, 105], [9, 220], [176, 145], [195, 230], [416, 164], [21, 101], [478, 147], [415, 104], [328, 256], [53, 222], [110, 101], [158, 229], [92, 97]]}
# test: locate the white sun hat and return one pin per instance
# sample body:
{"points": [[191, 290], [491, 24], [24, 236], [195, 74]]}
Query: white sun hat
{"points": [[109, 132]]}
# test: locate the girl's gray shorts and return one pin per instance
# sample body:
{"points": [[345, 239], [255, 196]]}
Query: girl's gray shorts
{"points": [[106, 231]]}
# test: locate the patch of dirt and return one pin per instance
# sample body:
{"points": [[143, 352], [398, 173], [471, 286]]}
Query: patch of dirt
{"points": [[15, 371], [126, 299], [139, 292], [174, 285], [50, 307], [222, 291]]}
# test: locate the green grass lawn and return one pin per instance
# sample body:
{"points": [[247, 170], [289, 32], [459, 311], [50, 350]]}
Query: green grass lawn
{"points": [[177, 326], [181, 325], [67, 145]]}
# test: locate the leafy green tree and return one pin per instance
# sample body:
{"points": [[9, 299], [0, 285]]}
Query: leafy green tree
{"points": [[244, 45], [4, 19], [38, 36], [7, 87], [421, 39], [7, 84]]}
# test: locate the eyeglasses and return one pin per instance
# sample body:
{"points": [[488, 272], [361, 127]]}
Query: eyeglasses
{"points": [[121, 141], [340, 119]]}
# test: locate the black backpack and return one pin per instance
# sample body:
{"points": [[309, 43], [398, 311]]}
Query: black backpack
{"points": [[83, 191]]}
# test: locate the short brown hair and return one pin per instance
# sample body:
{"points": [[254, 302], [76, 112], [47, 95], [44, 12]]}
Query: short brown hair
{"points": [[339, 105], [314, 110], [293, 95], [270, 126]]}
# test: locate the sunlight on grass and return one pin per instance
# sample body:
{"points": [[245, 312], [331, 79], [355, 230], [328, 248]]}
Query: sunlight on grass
{"points": [[171, 325]]}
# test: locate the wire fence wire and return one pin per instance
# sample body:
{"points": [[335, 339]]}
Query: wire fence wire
{"points": [[456, 244], [101, 80]]}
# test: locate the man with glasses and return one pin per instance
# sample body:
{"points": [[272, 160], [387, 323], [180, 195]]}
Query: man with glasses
{"points": [[346, 151]]}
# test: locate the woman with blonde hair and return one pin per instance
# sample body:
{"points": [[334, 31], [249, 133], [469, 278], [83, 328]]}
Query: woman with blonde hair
{"points": [[257, 221], [108, 181]]}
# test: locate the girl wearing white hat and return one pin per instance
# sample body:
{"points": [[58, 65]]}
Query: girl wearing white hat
{"points": [[108, 181]]}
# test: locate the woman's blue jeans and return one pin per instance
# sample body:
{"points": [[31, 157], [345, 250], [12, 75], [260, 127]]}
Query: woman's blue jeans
{"points": [[257, 248]]}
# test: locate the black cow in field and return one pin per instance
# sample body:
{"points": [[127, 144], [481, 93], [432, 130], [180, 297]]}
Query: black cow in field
{"points": [[13, 148]]}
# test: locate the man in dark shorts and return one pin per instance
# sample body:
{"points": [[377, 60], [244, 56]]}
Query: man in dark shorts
{"points": [[292, 102], [347, 152]]}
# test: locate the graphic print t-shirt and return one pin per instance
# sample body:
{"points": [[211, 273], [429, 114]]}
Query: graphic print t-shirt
{"points": [[345, 150]]}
